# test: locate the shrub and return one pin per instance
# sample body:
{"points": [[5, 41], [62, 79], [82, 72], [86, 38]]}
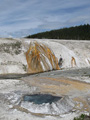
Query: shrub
{"points": [[82, 117]]}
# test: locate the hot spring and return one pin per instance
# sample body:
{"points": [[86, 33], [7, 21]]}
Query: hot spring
{"points": [[41, 98]]}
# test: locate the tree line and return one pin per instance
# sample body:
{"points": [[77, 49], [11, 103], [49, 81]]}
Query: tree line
{"points": [[81, 32]]}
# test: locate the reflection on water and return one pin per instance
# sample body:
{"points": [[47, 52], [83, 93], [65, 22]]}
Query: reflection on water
{"points": [[41, 98]]}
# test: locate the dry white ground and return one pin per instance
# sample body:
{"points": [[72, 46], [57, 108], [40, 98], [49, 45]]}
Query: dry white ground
{"points": [[12, 90], [12, 61]]}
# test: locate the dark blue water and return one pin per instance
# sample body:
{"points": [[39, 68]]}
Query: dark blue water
{"points": [[41, 98]]}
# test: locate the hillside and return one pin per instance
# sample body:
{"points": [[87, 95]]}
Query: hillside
{"points": [[81, 32]]}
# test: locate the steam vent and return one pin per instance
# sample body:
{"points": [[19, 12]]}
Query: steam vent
{"points": [[40, 58]]}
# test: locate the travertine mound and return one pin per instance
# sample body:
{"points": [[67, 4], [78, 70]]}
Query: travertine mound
{"points": [[40, 58]]}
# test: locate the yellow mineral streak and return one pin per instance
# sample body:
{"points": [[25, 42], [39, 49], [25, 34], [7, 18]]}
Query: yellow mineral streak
{"points": [[73, 62], [38, 53]]}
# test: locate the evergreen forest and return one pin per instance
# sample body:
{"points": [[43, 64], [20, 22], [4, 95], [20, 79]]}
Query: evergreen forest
{"points": [[81, 32]]}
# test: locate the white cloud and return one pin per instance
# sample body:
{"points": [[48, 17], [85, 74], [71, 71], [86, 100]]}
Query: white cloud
{"points": [[17, 15]]}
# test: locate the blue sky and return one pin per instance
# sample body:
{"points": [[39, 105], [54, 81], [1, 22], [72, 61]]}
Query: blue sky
{"points": [[19, 18]]}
